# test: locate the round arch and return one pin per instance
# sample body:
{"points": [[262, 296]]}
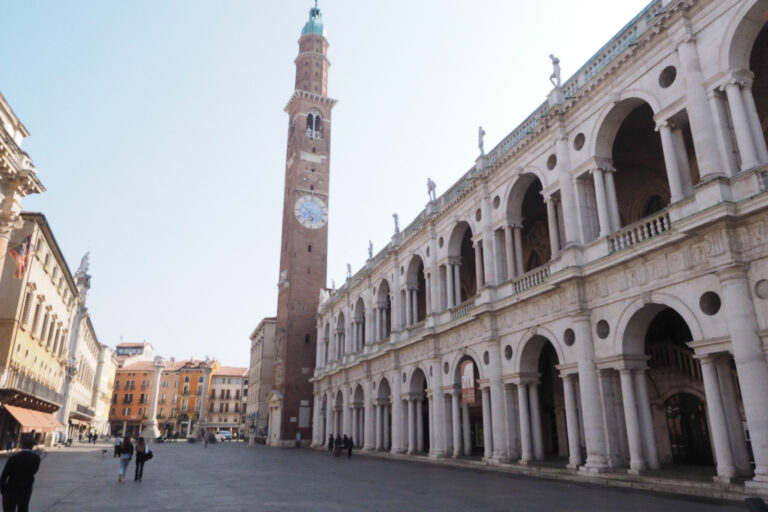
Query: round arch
{"points": [[453, 366], [383, 389], [525, 350], [741, 34], [416, 371], [611, 118], [412, 270], [514, 202], [629, 334], [457, 233]]}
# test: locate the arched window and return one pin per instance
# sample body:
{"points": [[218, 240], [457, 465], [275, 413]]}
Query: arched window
{"points": [[314, 124]]}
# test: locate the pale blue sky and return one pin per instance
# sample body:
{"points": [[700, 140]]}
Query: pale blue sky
{"points": [[157, 128]]}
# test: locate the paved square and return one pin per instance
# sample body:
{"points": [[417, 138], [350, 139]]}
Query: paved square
{"points": [[233, 477]]}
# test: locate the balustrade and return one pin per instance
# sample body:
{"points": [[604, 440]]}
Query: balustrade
{"points": [[462, 309], [669, 356], [532, 278], [642, 230]]}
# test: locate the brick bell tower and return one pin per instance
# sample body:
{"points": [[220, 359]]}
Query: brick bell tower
{"points": [[305, 237]]}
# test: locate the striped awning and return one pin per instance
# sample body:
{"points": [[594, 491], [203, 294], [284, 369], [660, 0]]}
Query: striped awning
{"points": [[34, 420]]}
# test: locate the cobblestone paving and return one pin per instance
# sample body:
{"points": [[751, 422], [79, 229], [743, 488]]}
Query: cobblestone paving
{"points": [[233, 477]]}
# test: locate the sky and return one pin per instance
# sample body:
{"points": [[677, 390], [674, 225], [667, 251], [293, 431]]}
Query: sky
{"points": [[157, 128]]}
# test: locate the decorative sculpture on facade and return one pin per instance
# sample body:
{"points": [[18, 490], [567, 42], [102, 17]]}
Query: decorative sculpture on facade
{"points": [[397, 223], [555, 76], [431, 186], [480, 135], [349, 271], [370, 250]]}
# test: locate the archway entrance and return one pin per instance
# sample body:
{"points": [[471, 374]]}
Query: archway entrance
{"points": [[418, 414], [469, 429], [688, 431], [384, 417], [758, 64]]}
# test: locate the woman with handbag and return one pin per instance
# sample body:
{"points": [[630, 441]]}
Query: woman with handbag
{"points": [[143, 454], [125, 451]]}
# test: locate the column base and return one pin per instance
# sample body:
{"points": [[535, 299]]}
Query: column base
{"points": [[437, 455], [594, 468], [524, 462], [759, 483], [637, 472], [497, 460]]}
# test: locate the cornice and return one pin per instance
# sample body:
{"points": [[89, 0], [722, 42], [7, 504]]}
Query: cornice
{"points": [[300, 94]]}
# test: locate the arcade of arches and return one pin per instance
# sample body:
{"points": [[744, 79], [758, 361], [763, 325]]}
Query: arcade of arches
{"points": [[659, 362]]}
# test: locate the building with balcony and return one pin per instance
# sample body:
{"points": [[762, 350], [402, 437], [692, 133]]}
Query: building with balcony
{"points": [[37, 311], [225, 403], [592, 291]]}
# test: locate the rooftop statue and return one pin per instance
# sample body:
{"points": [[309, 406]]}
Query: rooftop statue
{"points": [[431, 186], [397, 223], [84, 264], [555, 76], [480, 135], [370, 250], [349, 271]]}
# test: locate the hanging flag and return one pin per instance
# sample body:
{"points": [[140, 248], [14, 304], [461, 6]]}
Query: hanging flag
{"points": [[20, 255]]}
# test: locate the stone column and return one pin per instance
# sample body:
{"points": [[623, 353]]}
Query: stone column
{"points": [[697, 108], [754, 122], [466, 429], [415, 305], [408, 320], [646, 420], [717, 424], [572, 422], [386, 427], [368, 417], [554, 231], [377, 412], [567, 189], [632, 420], [750, 360], [328, 419], [723, 130], [509, 250], [397, 415], [152, 431], [602, 204], [376, 324], [536, 432], [346, 413], [449, 283], [355, 423], [411, 426], [613, 202], [733, 417], [457, 282], [437, 447], [525, 423], [670, 161], [519, 249], [512, 422], [479, 267], [589, 389], [456, 422], [487, 428], [428, 293], [419, 426], [496, 402], [741, 126]]}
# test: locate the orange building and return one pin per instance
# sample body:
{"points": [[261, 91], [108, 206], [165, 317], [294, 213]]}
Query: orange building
{"points": [[180, 396]]}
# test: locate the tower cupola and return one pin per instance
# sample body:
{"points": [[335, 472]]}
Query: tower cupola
{"points": [[315, 23]]}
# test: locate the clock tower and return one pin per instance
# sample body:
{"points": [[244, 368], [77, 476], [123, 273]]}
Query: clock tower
{"points": [[304, 244]]}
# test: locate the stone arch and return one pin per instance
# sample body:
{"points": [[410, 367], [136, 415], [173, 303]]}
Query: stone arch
{"points": [[417, 378], [383, 305], [416, 290], [516, 192], [526, 350], [629, 331], [383, 389], [461, 253], [358, 398], [612, 114], [466, 352], [741, 34]]}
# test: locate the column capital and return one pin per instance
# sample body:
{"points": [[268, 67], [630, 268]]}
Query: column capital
{"points": [[663, 125], [734, 272], [454, 260], [741, 77]]}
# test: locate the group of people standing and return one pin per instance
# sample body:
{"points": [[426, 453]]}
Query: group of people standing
{"points": [[125, 450], [339, 444]]}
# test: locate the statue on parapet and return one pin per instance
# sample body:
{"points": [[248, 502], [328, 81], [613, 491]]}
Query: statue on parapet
{"points": [[555, 76], [397, 223], [370, 250], [431, 186], [480, 135], [84, 264], [349, 271]]}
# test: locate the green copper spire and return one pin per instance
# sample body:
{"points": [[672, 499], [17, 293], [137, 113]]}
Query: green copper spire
{"points": [[315, 23]]}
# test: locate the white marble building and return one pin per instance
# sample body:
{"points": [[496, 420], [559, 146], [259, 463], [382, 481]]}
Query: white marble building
{"points": [[595, 288]]}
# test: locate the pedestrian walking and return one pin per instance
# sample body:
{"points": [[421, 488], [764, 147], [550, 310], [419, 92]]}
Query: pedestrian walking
{"points": [[125, 450], [18, 477], [117, 447], [349, 445], [143, 454], [330, 444]]}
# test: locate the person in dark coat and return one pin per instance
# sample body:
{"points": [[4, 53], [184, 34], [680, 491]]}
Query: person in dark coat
{"points": [[142, 455], [348, 444], [330, 444], [126, 454], [18, 477]]}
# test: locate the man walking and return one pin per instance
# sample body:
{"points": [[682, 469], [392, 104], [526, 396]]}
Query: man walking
{"points": [[18, 477]]}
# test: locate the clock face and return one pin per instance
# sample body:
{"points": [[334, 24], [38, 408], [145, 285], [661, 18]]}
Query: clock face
{"points": [[311, 212]]}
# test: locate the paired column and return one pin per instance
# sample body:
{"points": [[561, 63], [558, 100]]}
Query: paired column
{"points": [[567, 188], [742, 125], [723, 129], [397, 415], [467, 433], [602, 203], [572, 422], [411, 425], [526, 445], [750, 362], [518, 230], [497, 405], [536, 433], [509, 250], [479, 267], [456, 422], [457, 283], [717, 422], [552, 226], [632, 420], [368, 417], [409, 319], [419, 425], [487, 427], [449, 285], [670, 161], [414, 305]]}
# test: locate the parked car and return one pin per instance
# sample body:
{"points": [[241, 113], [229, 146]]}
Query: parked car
{"points": [[224, 435]]}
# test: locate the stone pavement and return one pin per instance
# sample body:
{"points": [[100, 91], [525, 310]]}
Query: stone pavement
{"points": [[233, 477]]}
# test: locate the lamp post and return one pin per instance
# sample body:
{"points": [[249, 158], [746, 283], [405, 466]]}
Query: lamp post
{"points": [[152, 431], [252, 428]]}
